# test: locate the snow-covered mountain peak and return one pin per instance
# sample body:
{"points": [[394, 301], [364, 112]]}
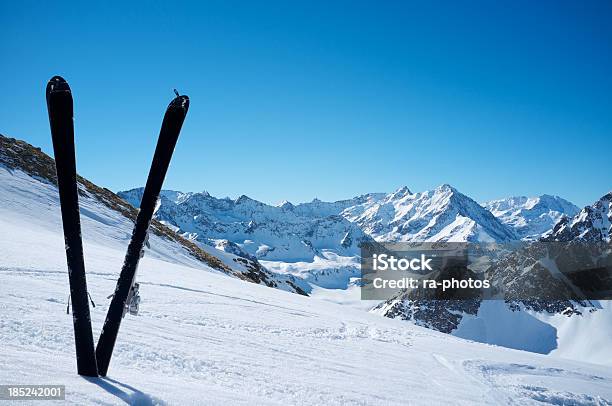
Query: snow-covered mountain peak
{"points": [[400, 193], [285, 205], [176, 196], [244, 199], [531, 217], [133, 196], [441, 214], [445, 187]]}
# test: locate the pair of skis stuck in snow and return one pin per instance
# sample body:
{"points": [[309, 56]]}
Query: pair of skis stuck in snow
{"points": [[92, 362]]}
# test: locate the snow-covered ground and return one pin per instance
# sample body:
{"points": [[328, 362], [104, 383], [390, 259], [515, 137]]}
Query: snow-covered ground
{"points": [[205, 338], [329, 270], [587, 337]]}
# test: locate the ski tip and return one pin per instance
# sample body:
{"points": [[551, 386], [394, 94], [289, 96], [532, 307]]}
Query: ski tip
{"points": [[57, 84], [180, 102]]}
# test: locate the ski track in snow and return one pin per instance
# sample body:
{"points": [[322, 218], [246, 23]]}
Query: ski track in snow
{"points": [[510, 377]]}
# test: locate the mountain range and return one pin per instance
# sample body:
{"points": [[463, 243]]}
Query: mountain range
{"points": [[303, 232]]}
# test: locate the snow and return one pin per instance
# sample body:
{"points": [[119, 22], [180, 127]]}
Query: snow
{"points": [[328, 270], [531, 217], [592, 223], [31, 209], [587, 337], [205, 338], [442, 214], [268, 232], [495, 324]]}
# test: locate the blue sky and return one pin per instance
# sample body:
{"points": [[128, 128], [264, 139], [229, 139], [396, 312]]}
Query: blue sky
{"points": [[330, 99]]}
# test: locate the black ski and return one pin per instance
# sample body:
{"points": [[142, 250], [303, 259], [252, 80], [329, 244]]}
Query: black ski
{"points": [[59, 105], [171, 127]]}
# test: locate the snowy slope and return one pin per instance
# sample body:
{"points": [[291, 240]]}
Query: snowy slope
{"points": [[530, 217], [587, 337], [205, 338]]}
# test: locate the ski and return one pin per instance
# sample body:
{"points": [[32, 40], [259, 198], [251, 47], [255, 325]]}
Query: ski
{"points": [[168, 136], [60, 108]]}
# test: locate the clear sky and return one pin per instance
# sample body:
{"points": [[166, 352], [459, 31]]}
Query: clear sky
{"points": [[331, 99]]}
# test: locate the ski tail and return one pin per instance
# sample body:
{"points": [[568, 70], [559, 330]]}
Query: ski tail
{"points": [[60, 108], [168, 136]]}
